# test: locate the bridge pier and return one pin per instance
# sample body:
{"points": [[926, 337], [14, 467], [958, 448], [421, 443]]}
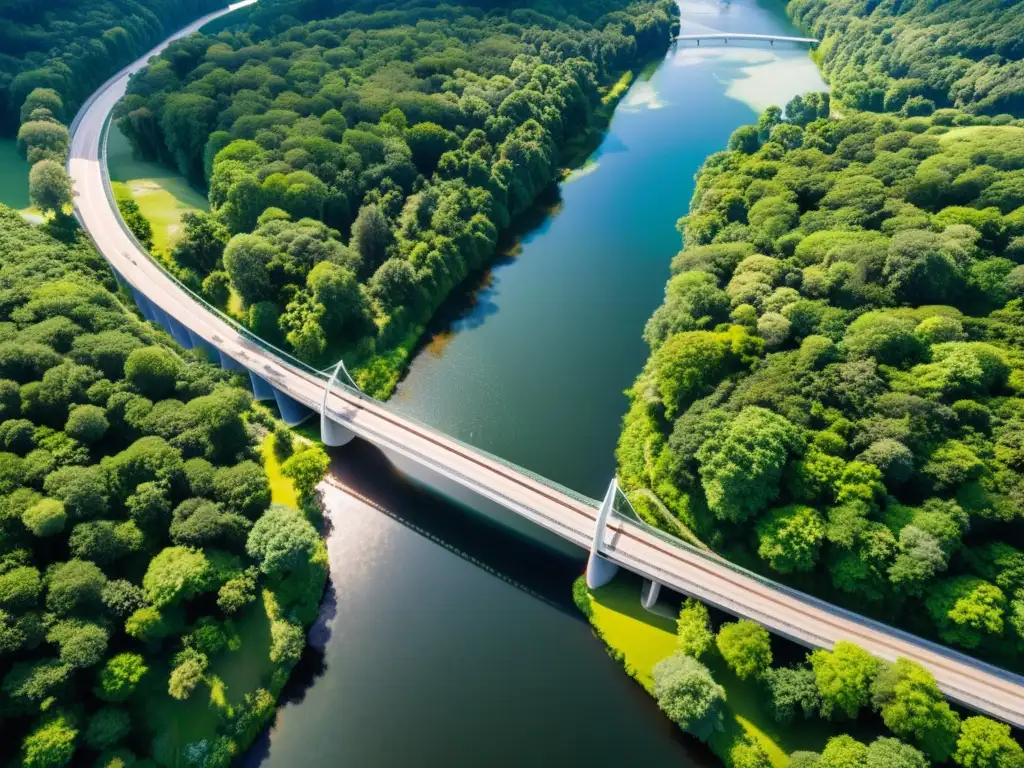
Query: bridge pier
{"points": [[179, 332], [332, 434], [601, 570], [261, 388], [143, 304], [292, 411], [229, 363], [212, 353], [649, 594]]}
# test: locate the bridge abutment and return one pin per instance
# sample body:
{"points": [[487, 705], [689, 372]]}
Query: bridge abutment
{"points": [[601, 570]]}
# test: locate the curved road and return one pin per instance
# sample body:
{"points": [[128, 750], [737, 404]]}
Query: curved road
{"points": [[799, 617]]}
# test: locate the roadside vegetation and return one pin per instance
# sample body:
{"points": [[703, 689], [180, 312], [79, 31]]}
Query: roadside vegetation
{"points": [[154, 590], [360, 167], [66, 48]]}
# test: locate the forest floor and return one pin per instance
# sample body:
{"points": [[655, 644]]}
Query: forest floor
{"points": [[644, 638], [163, 195]]}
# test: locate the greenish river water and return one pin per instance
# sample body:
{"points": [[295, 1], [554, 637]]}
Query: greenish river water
{"points": [[432, 659], [13, 176]]}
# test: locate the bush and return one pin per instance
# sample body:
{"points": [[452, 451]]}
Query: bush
{"points": [[687, 693], [746, 647], [120, 677], [45, 518], [306, 469], [52, 744], [153, 371], [844, 678], [693, 628], [87, 424], [75, 587]]}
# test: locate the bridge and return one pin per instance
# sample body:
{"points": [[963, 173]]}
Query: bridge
{"points": [[727, 36], [609, 529]]}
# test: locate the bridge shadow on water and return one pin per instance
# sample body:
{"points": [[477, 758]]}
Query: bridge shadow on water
{"points": [[425, 506], [472, 528]]}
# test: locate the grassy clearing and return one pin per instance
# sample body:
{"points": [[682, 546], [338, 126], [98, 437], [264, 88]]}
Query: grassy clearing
{"points": [[618, 88], [163, 196], [282, 491], [971, 132], [230, 676], [643, 639]]}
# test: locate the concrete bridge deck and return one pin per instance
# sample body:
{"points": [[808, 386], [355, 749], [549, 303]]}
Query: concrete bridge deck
{"points": [[727, 36], [300, 390]]}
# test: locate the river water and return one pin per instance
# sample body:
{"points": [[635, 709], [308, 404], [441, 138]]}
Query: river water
{"points": [[453, 641]]}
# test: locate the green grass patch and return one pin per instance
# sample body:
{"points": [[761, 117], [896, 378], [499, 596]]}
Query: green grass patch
{"points": [[972, 132], [641, 639], [282, 490], [163, 196], [618, 88]]}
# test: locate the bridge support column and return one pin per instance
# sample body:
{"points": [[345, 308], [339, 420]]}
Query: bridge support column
{"points": [[601, 570], [292, 411], [143, 304], [212, 353], [261, 388], [649, 594], [179, 332], [228, 363], [331, 432]]}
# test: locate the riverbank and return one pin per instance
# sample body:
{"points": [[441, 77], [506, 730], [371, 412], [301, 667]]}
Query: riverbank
{"points": [[446, 625], [638, 639]]}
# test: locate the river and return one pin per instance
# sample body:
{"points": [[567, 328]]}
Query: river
{"points": [[432, 659]]}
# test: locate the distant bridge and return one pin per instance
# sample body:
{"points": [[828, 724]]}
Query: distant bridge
{"points": [[727, 36]]}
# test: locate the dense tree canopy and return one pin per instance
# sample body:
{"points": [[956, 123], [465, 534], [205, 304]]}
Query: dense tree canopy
{"points": [[129, 481], [55, 54], [835, 379], [364, 165], [910, 57]]}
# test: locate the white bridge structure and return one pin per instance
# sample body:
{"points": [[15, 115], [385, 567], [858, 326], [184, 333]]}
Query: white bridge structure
{"points": [[725, 37], [609, 529]]}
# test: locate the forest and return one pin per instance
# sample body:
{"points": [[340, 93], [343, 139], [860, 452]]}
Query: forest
{"points": [[918, 55], [69, 47], [834, 391], [360, 167], [140, 552]]}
